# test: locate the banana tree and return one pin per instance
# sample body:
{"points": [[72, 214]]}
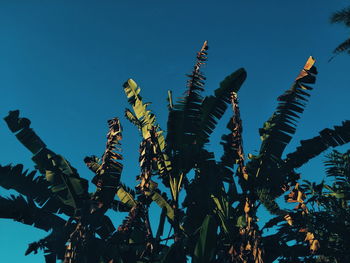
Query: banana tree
{"points": [[212, 193], [210, 204]]}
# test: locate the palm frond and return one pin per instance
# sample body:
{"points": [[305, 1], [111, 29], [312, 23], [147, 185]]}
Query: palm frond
{"points": [[338, 165], [313, 147], [342, 47], [265, 169], [26, 212], [342, 16]]}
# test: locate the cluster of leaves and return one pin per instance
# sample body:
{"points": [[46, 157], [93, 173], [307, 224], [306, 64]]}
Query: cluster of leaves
{"points": [[320, 218], [330, 216], [217, 220]]}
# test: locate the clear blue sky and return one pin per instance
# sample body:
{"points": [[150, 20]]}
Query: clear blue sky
{"points": [[63, 63]]}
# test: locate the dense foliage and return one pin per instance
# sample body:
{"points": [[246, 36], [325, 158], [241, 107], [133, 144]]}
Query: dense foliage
{"points": [[217, 220]]}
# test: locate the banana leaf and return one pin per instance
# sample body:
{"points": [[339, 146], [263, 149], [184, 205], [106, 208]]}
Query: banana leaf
{"points": [[142, 114], [214, 107], [126, 196], [185, 117], [26, 212], [162, 202], [278, 130], [313, 147], [206, 246], [66, 185], [108, 174], [144, 119]]}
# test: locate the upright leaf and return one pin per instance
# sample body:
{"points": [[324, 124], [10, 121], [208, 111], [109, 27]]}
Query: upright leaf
{"points": [[205, 249], [143, 115], [109, 172], [145, 120], [278, 130], [214, 107], [185, 117]]}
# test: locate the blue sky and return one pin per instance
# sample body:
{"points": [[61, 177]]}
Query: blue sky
{"points": [[63, 63]]}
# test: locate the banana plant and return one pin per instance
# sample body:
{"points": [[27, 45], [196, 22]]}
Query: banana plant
{"points": [[262, 180], [210, 204], [60, 190]]}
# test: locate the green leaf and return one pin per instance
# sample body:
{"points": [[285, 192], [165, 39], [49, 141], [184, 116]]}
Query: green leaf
{"points": [[65, 182], [133, 119], [162, 203], [241, 221], [222, 210], [143, 115], [58, 170], [144, 119], [205, 249], [126, 197]]}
